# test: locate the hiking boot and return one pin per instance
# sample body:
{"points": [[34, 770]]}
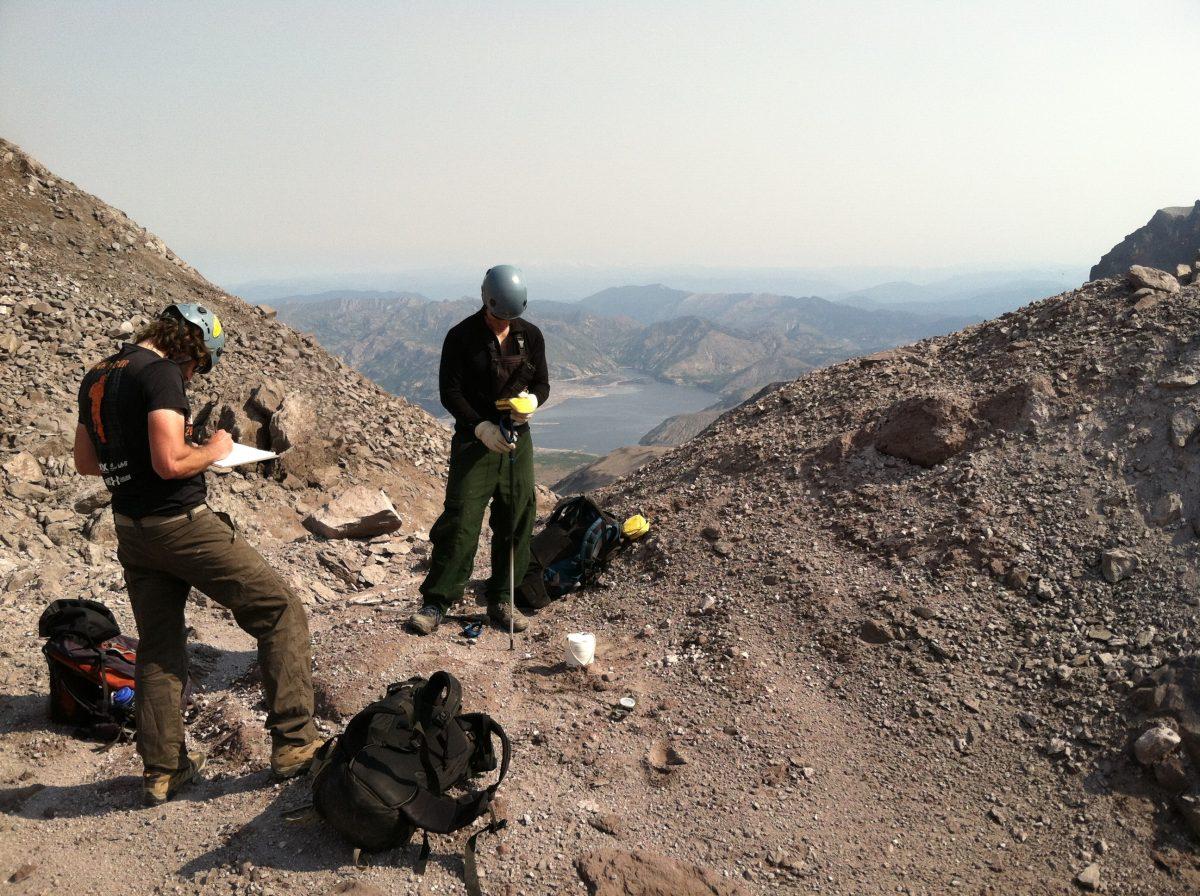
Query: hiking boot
{"points": [[290, 760], [426, 620], [158, 787], [498, 613]]}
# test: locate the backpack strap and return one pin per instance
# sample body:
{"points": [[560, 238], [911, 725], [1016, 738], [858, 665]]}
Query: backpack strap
{"points": [[440, 699], [470, 866], [443, 814]]}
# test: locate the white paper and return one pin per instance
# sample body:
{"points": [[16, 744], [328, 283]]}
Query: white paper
{"points": [[243, 454]]}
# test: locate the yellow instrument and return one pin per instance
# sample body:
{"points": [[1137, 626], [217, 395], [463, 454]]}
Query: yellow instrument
{"points": [[523, 404], [635, 527]]}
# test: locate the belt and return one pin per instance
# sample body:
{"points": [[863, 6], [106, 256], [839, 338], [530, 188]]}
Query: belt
{"points": [[151, 522]]}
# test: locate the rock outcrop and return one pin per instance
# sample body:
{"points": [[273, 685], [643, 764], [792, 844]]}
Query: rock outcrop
{"points": [[1169, 239]]}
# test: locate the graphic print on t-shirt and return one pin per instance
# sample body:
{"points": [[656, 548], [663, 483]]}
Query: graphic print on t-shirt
{"points": [[96, 396], [105, 428]]}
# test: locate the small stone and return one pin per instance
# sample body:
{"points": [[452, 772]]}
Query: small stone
{"points": [[609, 823], [1179, 381], [1167, 510], [374, 574], [23, 872], [876, 631], [1117, 564], [722, 548], [23, 467], [1183, 426], [1018, 579], [1155, 745], [1089, 877]]}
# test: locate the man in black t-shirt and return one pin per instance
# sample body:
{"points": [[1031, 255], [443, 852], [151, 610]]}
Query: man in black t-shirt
{"points": [[487, 360], [133, 431]]}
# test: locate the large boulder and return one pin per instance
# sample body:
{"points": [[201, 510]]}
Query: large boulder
{"points": [[266, 398], [294, 423], [358, 512], [1141, 277], [926, 429], [241, 426]]}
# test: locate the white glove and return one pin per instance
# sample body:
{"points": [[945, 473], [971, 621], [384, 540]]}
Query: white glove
{"points": [[524, 418], [491, 436]]}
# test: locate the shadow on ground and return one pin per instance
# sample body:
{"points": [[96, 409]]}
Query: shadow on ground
{"points": [[271, 841], [120, 794]]}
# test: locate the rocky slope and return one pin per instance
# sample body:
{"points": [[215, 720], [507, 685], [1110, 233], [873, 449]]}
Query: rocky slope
{"points": [[1170, 238], [981, 550]]}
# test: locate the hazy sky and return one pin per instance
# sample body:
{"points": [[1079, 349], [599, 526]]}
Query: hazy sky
{"points": [[273, 139]]}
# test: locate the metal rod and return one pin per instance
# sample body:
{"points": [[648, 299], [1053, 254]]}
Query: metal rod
{"points": [[512, 534]]}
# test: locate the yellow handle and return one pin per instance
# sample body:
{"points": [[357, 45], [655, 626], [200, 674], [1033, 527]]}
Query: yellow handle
{"points": [[523, 404]]}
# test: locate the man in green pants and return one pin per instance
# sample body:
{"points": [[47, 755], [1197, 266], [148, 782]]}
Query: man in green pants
{"points": [[491, 356], [133, 431]]}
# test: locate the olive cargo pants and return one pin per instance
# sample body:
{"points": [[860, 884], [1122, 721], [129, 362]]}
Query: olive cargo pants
{"points": [[476, 477], [162, 563]]}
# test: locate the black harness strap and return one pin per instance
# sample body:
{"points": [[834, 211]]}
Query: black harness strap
{"points": [[470, 867]]}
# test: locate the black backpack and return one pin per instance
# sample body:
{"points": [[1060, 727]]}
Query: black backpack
{"points": [[387, 775], [573, 548]]}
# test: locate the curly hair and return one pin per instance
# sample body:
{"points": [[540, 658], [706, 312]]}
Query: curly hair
{"points": [[177, 339]]}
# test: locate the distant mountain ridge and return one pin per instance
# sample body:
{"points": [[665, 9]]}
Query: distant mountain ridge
{"points": [[351, 294], [729, 343]]}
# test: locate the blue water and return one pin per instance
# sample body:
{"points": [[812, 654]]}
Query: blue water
{"points": [[632, 404]]}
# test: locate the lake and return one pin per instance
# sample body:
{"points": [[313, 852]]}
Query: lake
{"points": [[600, 413]]}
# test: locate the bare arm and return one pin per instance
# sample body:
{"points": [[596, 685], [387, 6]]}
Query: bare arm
{"points": [[86, 462], [171, 455]]}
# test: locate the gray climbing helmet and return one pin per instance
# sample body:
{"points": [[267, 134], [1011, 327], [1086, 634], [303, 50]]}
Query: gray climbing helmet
{"points": [[504, 292], [208, 324]]}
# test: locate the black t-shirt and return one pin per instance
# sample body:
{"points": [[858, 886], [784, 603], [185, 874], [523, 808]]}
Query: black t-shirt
{"points": [[475, 372], [114, 400]]}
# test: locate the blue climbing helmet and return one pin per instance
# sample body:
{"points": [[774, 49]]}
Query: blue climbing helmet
{"points": [[504, 292], [209, 325]]}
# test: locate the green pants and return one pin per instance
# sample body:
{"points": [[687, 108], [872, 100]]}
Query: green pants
{"points": [[478, 476], [162, 564]]}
